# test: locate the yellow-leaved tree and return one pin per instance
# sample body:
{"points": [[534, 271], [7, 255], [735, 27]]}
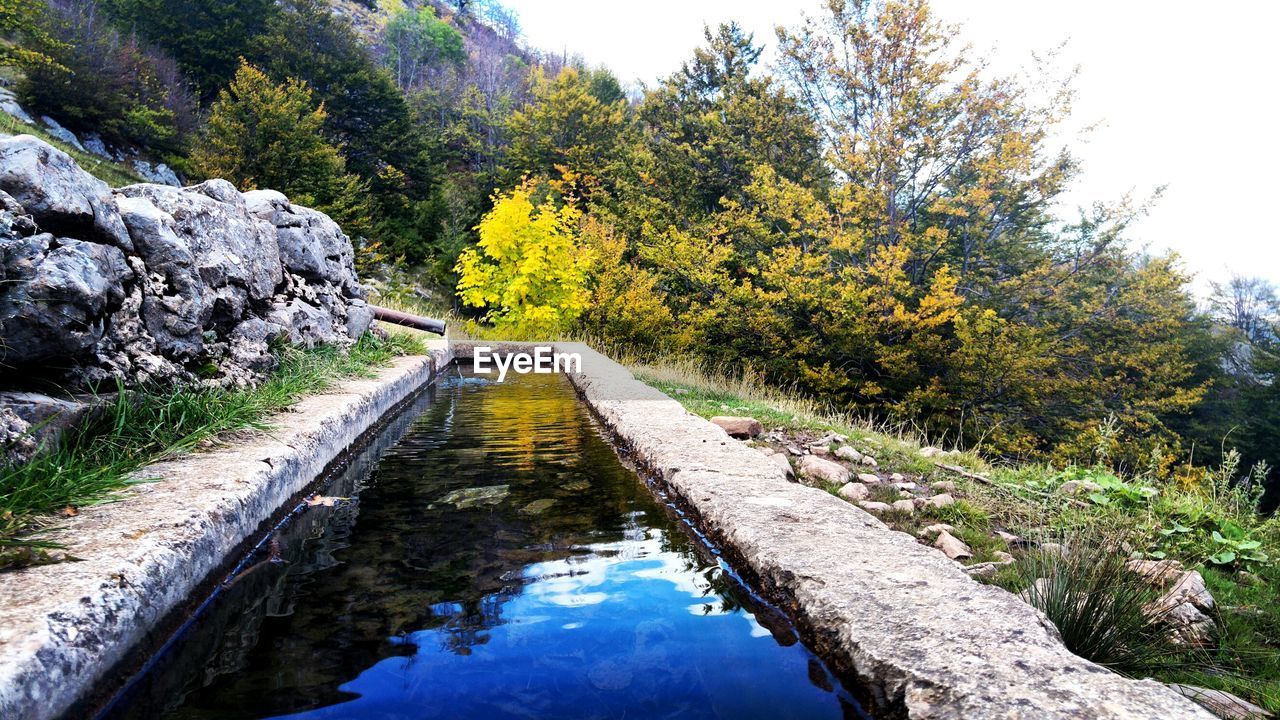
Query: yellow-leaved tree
{"points": [[529, 270]]}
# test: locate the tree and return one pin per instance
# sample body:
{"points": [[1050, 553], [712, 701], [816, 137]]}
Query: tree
{"points": [[528, 270], [261, 134], [931, 152], [20, 23], [416, 41], [565, 130], [366, 117], [208, 39], [1248, 304], [710, 124], [925, 279]]}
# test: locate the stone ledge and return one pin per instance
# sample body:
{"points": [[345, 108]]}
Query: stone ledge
{"points": [[62, 627], [923, 638]]}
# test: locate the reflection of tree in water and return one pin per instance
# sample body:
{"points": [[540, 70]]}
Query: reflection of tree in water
{"points": [[363, 576]]}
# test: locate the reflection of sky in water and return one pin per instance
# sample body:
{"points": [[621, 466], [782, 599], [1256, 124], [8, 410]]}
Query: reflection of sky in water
{"points": [[568, 594], [626, 629]]}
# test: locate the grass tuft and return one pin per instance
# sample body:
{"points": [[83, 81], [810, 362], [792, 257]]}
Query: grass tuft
{"points": [[1100, 607]]}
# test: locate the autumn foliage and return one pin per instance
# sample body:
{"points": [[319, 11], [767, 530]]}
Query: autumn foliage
{"points": [[872, 225]]}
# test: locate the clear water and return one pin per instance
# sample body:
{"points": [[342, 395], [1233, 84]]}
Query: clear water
{"points": [[559, 589]]}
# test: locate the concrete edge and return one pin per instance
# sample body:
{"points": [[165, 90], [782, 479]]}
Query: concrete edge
{"points": [[64, 626], [922, 637]]}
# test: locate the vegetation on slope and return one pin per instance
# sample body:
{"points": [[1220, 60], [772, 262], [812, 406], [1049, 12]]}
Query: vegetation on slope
{"points": [[113, 174]]}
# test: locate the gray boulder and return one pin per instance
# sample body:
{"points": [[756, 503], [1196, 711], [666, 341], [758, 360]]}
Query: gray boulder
{"points": [[312, 246], [158, 285], [305, 324], [235, 254], [62, 198], [56, 295], [157, 173], [54, 128], [176, 307], [44, 419], [9, 104]]}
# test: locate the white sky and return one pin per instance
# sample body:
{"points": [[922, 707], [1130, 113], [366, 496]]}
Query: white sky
{"points": [[1183, 95]]}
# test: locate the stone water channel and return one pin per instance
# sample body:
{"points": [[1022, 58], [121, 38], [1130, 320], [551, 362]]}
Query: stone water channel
{"points": [[492, 558]]}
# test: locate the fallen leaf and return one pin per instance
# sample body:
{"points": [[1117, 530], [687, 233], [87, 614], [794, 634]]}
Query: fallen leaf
{"points": [[69, 511], [324, 501]]}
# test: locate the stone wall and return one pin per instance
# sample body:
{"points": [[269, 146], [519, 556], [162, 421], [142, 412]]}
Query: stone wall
{"points": [[155, 285]]}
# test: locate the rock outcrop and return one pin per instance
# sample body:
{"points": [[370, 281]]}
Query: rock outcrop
{"points": [[151, 284]]}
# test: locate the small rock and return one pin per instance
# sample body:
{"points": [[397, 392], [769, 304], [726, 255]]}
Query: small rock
{"points": [[907, 486], [877, 508], [869, 478], [1190, 589], [474, 497], [795, 450], [952, 547], [813, 467], [944, 486], [1003, 557], [940, 501], [935, 529], [897, 478], [537, 507], [1160, 573], [742, 428], [1010, 539], [855, 492], [869, 461], [929, 452], [9, 104], [94, 144], [1222, 703], [907, 507], [1186, 623], [983, 571], [819, 449], [55, 129], [1052, 548], [781, 461], [845, 452], [681, 391], [987, 570]]}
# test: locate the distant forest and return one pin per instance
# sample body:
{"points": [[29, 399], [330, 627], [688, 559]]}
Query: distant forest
{"points": [[867, 221]]}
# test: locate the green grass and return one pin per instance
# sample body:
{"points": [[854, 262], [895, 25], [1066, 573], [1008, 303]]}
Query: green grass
{"points": [[133, 429], [1178, 520], [112, 173]]}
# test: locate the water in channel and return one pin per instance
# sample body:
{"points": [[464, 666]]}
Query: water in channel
{"points": [[494, 560]]}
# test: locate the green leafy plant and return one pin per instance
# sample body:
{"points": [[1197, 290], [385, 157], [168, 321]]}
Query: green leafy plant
{"points": [[1235, 546]]}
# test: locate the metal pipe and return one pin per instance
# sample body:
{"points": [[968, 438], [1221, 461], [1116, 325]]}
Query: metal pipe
{"points": [[417, 322]]}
